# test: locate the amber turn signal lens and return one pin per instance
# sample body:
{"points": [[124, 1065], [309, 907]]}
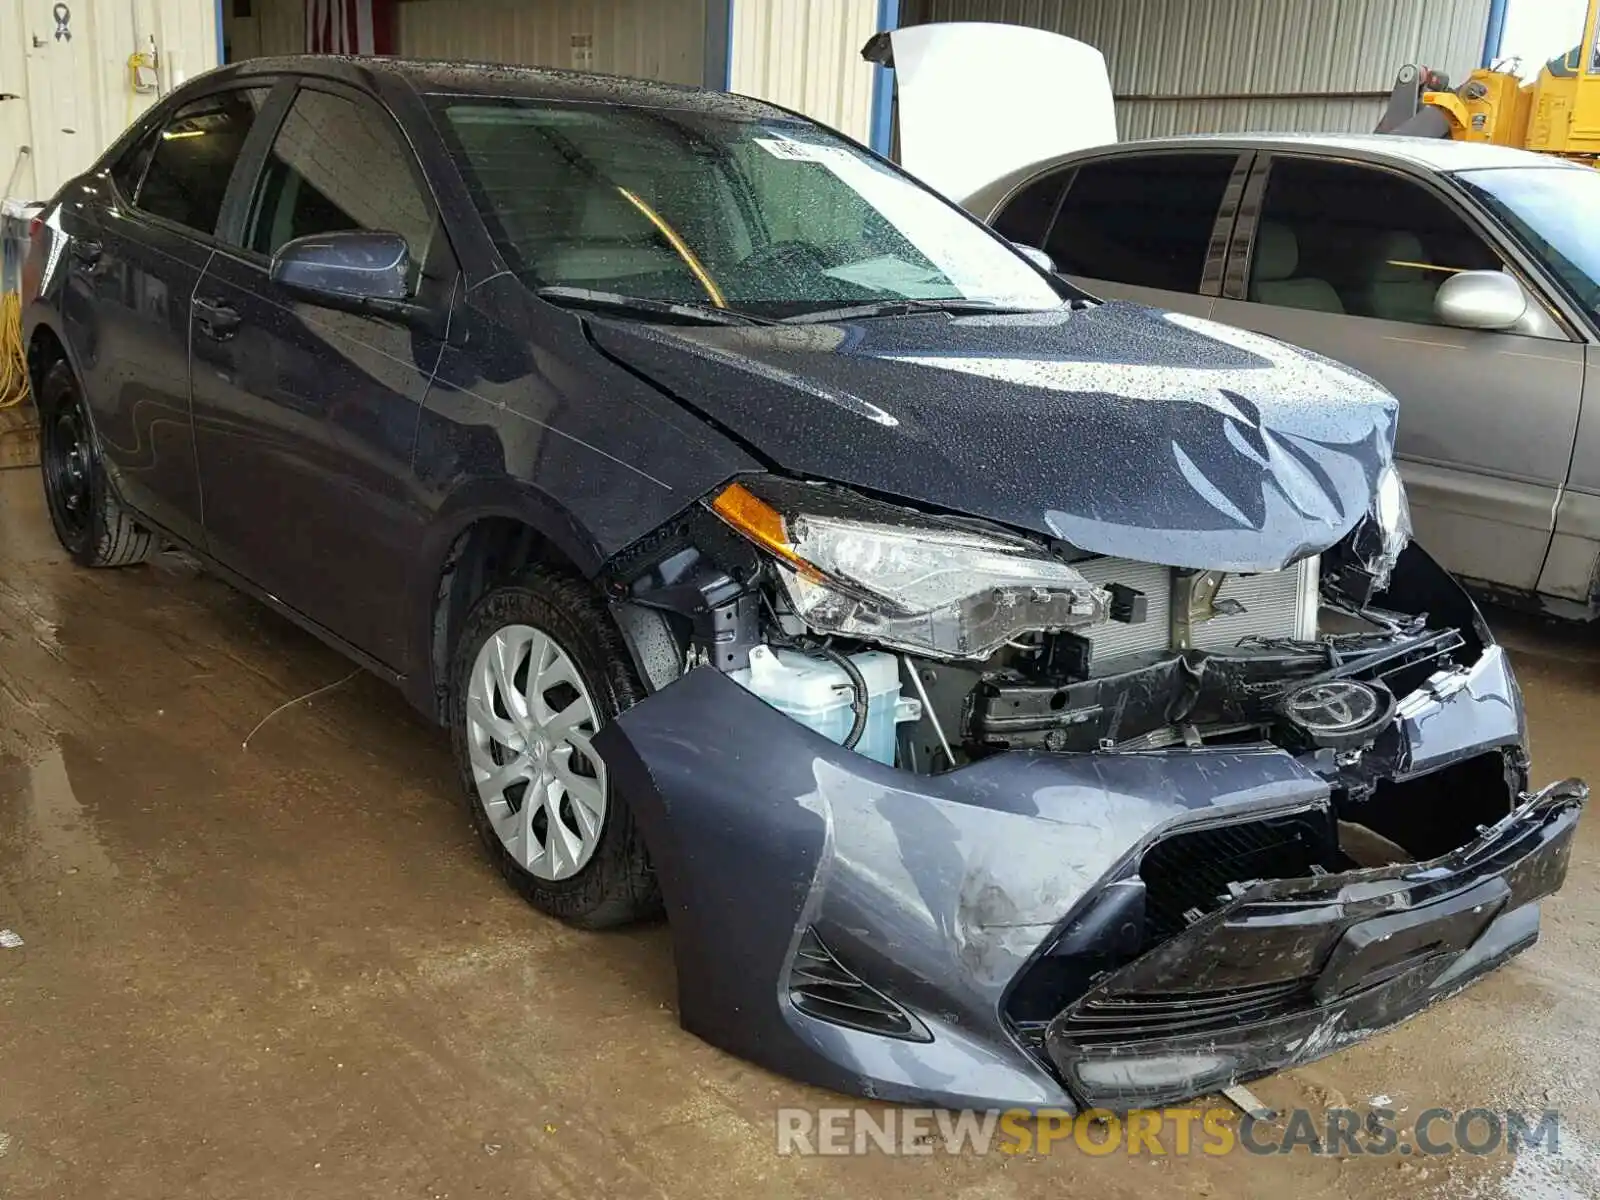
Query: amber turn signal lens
{"points": [[761, 523]]}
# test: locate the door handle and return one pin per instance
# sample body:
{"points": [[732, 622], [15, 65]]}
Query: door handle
{"points": [[87, 251], [215, 318]]}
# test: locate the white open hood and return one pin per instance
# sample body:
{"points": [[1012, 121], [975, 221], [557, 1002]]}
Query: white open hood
{"points": [[981, 105]]}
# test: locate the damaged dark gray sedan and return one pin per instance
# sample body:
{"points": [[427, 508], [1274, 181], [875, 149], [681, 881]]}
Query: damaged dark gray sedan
{"points": [[1013, 699]]}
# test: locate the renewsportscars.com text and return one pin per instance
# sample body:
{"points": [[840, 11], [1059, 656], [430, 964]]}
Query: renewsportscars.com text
{"points": [[1214, 1131]]}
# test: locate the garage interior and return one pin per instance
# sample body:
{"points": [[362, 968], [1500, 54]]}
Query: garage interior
{"points": [[1176, 66], [257, 951]]}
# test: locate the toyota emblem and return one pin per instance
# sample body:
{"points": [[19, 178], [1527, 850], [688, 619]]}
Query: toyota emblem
{"points": [[1338, 712]]}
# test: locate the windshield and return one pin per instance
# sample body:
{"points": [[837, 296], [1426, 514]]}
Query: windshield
{"points": [[1551, 211], [775, 217]]}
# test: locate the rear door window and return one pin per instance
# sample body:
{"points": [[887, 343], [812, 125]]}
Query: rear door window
{"points": [[1145, 220], [194, 157], [1342, 238]]}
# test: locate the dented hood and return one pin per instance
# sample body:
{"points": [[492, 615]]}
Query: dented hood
{"points": [[1120, 429], [981, 105]]}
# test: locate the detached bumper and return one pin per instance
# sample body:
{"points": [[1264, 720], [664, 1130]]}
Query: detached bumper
{"points": [[1296, 969], [870, 930]]}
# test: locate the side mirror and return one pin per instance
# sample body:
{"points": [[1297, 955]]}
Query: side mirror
{"points": [[1480, 300], [1036, 256], [352, 270]]}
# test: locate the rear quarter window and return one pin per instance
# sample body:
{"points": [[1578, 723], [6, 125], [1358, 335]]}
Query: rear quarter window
{"points": [[1026, 217], [1145, 220]]}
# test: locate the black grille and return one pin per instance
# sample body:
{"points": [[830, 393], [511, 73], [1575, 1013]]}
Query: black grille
{"points": [[1099, 1020], [1190, 873], [822, 988]]}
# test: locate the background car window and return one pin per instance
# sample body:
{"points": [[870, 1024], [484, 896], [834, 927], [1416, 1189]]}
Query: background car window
{"points": [[194, 156], [1146, 221], [1347, 239], [1026, 218], [337, 164]]}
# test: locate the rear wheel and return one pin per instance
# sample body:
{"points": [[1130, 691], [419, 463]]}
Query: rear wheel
{"points": [[89, 522], [539, 668]]}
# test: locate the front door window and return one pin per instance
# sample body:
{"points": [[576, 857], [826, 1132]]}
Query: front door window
{"points": [[1339, 238]]}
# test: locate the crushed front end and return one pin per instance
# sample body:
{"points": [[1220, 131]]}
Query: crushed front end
{"points": [[1078, 830]]}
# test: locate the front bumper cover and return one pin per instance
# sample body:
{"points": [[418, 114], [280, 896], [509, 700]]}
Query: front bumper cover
{"points": [[919, 901], [1293, 970]]}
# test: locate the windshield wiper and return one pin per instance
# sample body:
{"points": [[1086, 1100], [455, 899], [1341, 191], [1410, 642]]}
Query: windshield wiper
{"points": [[576, 297], [900, 308]]}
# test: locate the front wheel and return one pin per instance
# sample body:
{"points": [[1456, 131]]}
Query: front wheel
{"points": [[539, 668], [89, 522]]}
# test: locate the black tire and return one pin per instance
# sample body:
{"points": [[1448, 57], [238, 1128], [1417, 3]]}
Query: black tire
{"points": [[617, 885], [89, 522]]}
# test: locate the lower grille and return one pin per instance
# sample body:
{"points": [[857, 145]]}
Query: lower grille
{"points": [[1190, 873], [821, 987], [1114, 1019]]}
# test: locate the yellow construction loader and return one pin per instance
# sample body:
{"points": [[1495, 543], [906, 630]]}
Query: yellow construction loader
{"points": [[1556, 113]]}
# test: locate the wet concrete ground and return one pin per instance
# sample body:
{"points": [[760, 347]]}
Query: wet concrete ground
{"points": [[287, 971]]}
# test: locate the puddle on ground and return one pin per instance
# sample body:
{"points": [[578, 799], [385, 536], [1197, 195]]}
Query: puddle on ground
{"points": [[49, 829]]}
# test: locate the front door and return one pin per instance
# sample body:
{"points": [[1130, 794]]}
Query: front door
{"points": [[1345, 260], [305, 416]]}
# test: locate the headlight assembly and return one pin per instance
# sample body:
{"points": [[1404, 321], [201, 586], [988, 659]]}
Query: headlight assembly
{"points": [[1386, 529], [1392, 513], [932, 588]]}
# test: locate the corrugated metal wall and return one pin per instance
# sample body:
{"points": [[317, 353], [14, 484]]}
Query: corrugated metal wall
{"points": [[656, 39], [806, 55], [1205, 66], [76, 93], [273, 27]]}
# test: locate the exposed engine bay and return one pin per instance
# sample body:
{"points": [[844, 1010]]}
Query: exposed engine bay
{"points": [[1087, 654], [1151, 829]]}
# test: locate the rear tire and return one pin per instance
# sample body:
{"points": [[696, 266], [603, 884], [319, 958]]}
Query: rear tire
{"points": [[539, 667], [89, 522]]}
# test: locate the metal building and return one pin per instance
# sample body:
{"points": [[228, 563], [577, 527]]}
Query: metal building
{"points": [[1176, 65], [1214, 66], [802, 53]]}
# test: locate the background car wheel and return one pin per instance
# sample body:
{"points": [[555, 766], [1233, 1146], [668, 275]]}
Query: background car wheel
{"points": [[95, 529], [539, 668]]}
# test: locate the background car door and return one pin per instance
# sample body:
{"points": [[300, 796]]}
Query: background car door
{"points": [[131, 276], [305, 415], [1345, 260], [1143, 227]]}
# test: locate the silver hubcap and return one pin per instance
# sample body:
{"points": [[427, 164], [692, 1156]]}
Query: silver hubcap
{"points": [[529, 724]]}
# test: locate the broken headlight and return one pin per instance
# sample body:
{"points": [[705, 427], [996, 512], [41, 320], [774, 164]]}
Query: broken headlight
{"points": [[1380, 536], [874, 572]]}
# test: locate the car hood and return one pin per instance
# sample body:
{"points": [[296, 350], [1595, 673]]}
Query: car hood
{"points": [[1119, 429], [981, 106]]}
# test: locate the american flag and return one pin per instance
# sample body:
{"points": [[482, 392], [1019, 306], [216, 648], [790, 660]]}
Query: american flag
{"points": [[350, 26]]}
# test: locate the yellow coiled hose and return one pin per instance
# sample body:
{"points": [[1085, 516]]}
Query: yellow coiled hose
{"points": [[13, 358]]}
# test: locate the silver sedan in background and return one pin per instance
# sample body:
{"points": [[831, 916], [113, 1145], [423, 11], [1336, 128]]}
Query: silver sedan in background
{"points": [[1463, 277]]}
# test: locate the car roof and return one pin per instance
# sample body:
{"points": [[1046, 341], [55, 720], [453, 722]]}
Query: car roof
{"points": [[1432, 154], [503, 80]]}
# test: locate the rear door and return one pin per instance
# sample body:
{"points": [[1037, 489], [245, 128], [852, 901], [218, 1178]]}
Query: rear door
{"points": [[305, 416], [1344, 258], [131, 275], [1145, 227]]}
